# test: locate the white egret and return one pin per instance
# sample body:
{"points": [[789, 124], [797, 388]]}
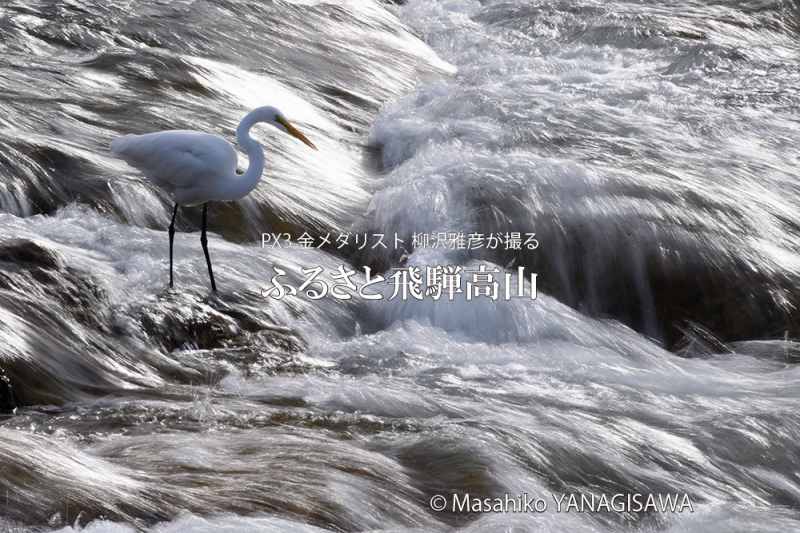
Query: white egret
{"points": [[196, 167]]}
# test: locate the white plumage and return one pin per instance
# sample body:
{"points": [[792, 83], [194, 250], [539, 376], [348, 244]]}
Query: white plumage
{"points": [[180, 161], [196, 167]]}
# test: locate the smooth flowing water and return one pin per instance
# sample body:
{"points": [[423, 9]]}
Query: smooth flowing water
{"points": [[652, 146]]}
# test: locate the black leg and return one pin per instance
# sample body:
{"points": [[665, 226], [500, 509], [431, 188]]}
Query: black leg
{"points": [[171, 239], [204, 242]]}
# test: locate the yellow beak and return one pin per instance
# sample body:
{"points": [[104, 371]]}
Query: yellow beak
{"points": [[294, 132]]}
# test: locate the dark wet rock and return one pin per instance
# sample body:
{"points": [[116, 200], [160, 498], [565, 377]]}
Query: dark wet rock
{"points": [[63, 341], [185, 320], [277, 339], [58, 343], [43, 359], [443, 465], [188, 321], [661, 296], [26, 253], [267, 353], [698, 342], [38, 274], [8, 401], [47, 480], [654, 278], [213, 337], [25, 173], [281, 470]]}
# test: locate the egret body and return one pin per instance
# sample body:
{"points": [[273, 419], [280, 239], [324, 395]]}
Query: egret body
{"points": [[196, 168]]}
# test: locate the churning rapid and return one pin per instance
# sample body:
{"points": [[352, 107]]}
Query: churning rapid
{"points": [[652, 147]]}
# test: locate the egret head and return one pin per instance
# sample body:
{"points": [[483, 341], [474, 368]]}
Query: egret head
{"points": [[276, 118]]}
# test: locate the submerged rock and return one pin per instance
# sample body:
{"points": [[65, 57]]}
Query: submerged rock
{"points": [[47, 480], [784, 351], [27, 254], [61, 339], [45, 354], [657, 279], [39, 274]]}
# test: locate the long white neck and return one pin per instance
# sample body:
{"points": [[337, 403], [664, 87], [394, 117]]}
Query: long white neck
{"points": [[242, 184]]}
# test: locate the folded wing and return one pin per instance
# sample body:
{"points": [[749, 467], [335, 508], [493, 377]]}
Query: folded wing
{"points": [[178, 159]]}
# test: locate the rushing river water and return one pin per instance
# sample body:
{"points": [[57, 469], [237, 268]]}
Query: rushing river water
{"points": [[652, 146]]}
